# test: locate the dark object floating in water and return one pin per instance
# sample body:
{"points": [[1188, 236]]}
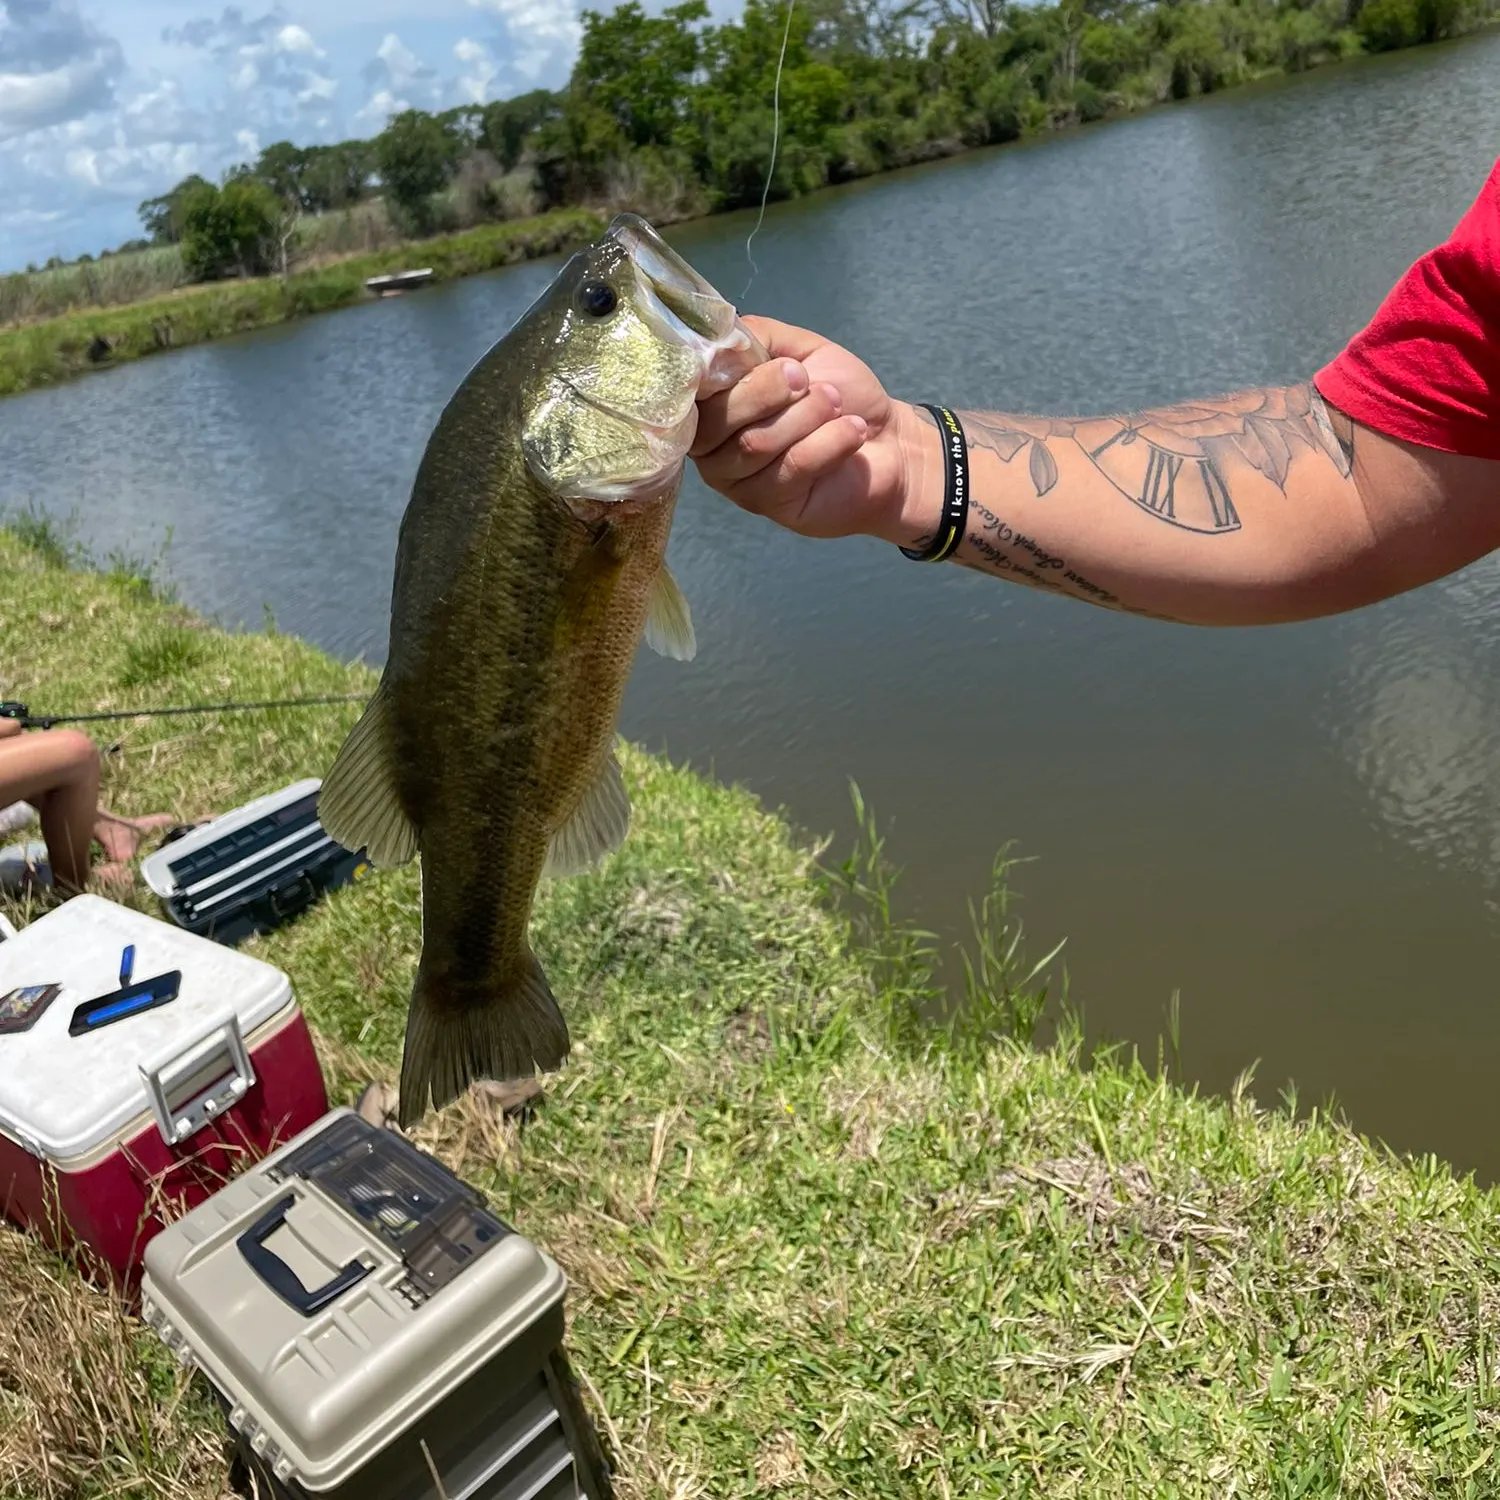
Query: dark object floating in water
{"points": [[398, 281]]}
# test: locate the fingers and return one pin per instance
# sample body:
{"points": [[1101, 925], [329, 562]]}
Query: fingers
{"points": [[784, 483], [765, 391], [761, 443]]}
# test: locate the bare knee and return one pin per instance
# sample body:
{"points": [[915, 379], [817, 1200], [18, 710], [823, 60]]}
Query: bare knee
{"points": [[73, 753]]}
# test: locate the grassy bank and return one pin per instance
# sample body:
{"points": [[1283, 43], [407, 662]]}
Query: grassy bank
{"points": [[55, 349], [815, 1248]]}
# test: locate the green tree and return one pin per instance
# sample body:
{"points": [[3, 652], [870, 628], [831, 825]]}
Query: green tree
{"points": [[507, 124], [638, 69], [337, 176], [1385, 25], [416, 155], [230, 230], [281, 167], [162, 217]]}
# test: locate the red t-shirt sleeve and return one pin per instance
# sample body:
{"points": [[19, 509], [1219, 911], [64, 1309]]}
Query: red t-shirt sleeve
{"points": [[1427, 369]]}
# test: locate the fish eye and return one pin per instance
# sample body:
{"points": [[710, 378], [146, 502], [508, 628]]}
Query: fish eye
{"points": [[598, 299]]}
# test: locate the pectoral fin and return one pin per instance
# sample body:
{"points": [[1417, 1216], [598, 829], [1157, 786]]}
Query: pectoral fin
{"points": [[357, 804], [669, 623], [597, 827]]}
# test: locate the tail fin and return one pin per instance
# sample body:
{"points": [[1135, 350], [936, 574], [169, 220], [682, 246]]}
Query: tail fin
{"points": [[456, 1036]]}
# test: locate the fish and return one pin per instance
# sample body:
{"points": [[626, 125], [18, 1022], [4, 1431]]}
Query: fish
{"points": [[530, 564]]}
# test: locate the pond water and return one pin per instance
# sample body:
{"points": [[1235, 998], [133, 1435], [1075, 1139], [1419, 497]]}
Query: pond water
{"points": [[1297, 829]]}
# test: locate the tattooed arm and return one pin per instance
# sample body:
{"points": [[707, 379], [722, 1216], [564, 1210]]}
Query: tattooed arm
{"points": [[1253, 508]]}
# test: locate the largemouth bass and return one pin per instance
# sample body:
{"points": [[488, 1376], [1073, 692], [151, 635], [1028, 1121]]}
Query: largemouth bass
{"points": [[528, 568]]}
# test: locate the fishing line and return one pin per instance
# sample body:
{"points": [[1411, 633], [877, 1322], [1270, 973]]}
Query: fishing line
{"points": [[29, 720], [765, 192]]}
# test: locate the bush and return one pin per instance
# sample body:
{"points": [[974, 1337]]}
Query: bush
{"points": [[1385, 25], [230, 230], [417, 155]]}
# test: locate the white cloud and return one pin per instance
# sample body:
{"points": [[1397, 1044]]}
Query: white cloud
{"points": [[539, 34], [95, 116], [318, 88], [398, 79], [54, 66], [380, 106], [269, 53], [481, 70], [292, 38], [395, 66]]}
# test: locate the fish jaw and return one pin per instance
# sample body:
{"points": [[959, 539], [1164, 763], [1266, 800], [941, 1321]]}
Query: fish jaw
{"points": [[732, 360]]}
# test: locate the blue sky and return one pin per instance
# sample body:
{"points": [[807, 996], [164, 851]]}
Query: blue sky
{"points": [[106, 102]]}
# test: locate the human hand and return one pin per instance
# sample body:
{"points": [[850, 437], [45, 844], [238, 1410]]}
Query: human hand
{"points": [[9, 727], [812, 441]]}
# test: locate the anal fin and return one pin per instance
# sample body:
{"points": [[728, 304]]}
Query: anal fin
{"points": [[357, 804], [669, 622], [597, 827]]}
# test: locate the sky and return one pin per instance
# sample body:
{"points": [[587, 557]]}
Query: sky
{"points": [[104, 103]]}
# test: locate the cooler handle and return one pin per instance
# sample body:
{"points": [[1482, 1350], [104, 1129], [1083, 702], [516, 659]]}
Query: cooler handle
{"points": [[176, 1126], [280, 1277]]}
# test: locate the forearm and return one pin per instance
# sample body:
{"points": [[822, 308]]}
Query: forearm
{"points": [[1249, 509]]}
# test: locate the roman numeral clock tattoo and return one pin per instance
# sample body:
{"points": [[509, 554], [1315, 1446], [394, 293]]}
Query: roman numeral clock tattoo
{"points": [[1179, 464]]}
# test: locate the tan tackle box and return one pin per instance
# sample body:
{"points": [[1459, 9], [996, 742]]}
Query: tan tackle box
{"points": [[372, 1330]]}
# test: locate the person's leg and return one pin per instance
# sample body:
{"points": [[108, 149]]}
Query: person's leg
{"points": [[121, 837], [58, 773]]}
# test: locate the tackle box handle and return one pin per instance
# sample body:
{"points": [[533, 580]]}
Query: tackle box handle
{"points": [[280, 1277], [185, 1064]]}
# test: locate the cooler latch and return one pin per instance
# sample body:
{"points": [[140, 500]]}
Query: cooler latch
{"points": [[194, 1084]]}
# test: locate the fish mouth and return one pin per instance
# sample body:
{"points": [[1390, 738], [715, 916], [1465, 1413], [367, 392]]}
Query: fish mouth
{"points": [[686, 307], [690, 300]]}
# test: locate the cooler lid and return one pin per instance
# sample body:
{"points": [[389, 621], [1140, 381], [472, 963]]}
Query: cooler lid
{"points": [[65, 1095], [340, 1288]]}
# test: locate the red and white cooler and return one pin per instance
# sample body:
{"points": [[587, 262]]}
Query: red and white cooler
{"points": [[106, 1135]]}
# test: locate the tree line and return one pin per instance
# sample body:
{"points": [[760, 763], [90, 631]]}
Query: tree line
{"points": [[672, 114]]}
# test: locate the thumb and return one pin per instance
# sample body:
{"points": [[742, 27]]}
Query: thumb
{"points": [[784, 340]]}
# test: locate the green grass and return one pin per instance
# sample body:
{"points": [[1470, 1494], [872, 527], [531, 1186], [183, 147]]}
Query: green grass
{"points": [[815, 1245], [112, 279], [44, 353]]}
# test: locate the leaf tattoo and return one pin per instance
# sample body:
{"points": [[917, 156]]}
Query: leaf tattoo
{"points": [[1043, 468], [1008, 441]]}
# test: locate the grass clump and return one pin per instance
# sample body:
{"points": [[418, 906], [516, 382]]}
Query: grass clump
{"points": [[90, 1403], [133, 276], [167, 650], [816, 1245], [46, 352], [52, 540]]}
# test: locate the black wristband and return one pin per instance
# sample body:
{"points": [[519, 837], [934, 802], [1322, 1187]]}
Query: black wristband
{"points": [[950, 531]]}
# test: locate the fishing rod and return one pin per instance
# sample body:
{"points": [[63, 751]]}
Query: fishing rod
{"points": [[28, 720]]}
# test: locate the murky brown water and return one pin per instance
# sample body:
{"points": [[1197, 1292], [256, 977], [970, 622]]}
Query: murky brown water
{"points": [[1297, 828]]}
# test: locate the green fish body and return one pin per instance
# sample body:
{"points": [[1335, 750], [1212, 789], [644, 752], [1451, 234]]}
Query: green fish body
{"points": [[529, 566]]}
